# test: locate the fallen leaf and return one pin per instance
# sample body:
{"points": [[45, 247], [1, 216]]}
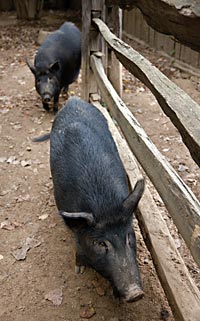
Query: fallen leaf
{"points": [[52, 225], [17, 127], [32, 242], [22, 198], [178, 243], [182, 168], [127, 91], [6, 225], [3, 193], [25, 163], [87, 312], [99, 289], [4, 111], [191, 180], [43, 217], [11, 159], [20, 253], [55, 296], [140, 89]]}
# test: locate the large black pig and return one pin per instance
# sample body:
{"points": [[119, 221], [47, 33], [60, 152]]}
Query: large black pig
{"points": [[57, 63], [92, 195]]}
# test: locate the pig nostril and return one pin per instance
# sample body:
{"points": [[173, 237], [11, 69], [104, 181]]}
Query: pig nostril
{"points": [[46, 98]]}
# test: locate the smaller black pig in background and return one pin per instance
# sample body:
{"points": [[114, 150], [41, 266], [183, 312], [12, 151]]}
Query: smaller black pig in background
{"points": [[92, 195], [57, 63]]}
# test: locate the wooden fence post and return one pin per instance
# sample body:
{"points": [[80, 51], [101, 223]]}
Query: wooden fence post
{"points": [[114, 67], [91, 42]]}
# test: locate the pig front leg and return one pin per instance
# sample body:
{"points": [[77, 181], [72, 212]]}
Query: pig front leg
{"points": [[55, 103], [80, 263], [45, 106]]}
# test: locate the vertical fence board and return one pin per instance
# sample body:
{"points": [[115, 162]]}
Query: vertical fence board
{"points": [[151, 37], [157, 40], [137, 23], [169, 45], [114, 71], [160, 41], [144, 30], [91, 41]]}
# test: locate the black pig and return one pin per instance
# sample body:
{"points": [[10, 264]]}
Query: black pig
{"points": [[92, 195], [57, 63]]}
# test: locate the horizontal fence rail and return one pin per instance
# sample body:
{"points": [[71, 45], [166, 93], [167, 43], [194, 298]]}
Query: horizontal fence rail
{"points": [[182, 110], [181, 203], [182, 293]]}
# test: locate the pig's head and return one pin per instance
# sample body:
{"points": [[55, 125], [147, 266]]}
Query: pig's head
{"points": [[110, 247], [47, 80]]}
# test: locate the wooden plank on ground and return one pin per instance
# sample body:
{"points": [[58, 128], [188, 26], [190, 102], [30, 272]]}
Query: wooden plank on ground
{"points": [[182, 293], [182, 110], [179, 200]]}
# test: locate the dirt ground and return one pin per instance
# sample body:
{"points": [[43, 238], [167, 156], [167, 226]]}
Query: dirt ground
{"points": [[37, 277]]}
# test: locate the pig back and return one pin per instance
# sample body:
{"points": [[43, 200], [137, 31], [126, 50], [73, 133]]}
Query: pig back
{"points": [[87, 172]]}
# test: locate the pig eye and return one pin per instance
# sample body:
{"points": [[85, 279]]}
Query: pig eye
{"points": [[100, 245]]}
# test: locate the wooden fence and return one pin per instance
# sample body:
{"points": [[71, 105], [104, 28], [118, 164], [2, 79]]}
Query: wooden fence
{"points": [[135, 26], [179, 200]]}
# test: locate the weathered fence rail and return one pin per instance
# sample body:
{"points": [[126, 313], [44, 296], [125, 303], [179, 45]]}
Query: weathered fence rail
{"points": [[182, 205], [179, 200], [182, 110], [135, 27], [182, 293], [175, 17]]}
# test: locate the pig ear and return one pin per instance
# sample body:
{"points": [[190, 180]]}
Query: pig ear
{"points": [[54, 67], [30, 65], [132, 200], [75, 219]]}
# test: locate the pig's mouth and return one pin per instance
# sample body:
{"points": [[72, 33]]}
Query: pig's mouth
{"points": [[133, 294]]}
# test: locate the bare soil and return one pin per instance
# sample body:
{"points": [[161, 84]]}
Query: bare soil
{"points": [[37, 277]]}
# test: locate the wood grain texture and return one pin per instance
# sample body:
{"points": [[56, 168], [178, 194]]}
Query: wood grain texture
{"points": [[172, 17], [181, 292], [182, 110], [181, 203]]}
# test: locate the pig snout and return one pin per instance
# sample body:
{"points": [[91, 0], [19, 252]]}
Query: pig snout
{"points": [[133, 294], [46, 98]]}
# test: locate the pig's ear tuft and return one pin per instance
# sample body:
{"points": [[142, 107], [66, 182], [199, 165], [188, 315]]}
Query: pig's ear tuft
{"points": [[30, 65], [54, 67], [134, 197], [75, 220]]}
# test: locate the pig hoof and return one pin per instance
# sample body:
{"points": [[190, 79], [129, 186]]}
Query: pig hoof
{"points": [[79, 269]]}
